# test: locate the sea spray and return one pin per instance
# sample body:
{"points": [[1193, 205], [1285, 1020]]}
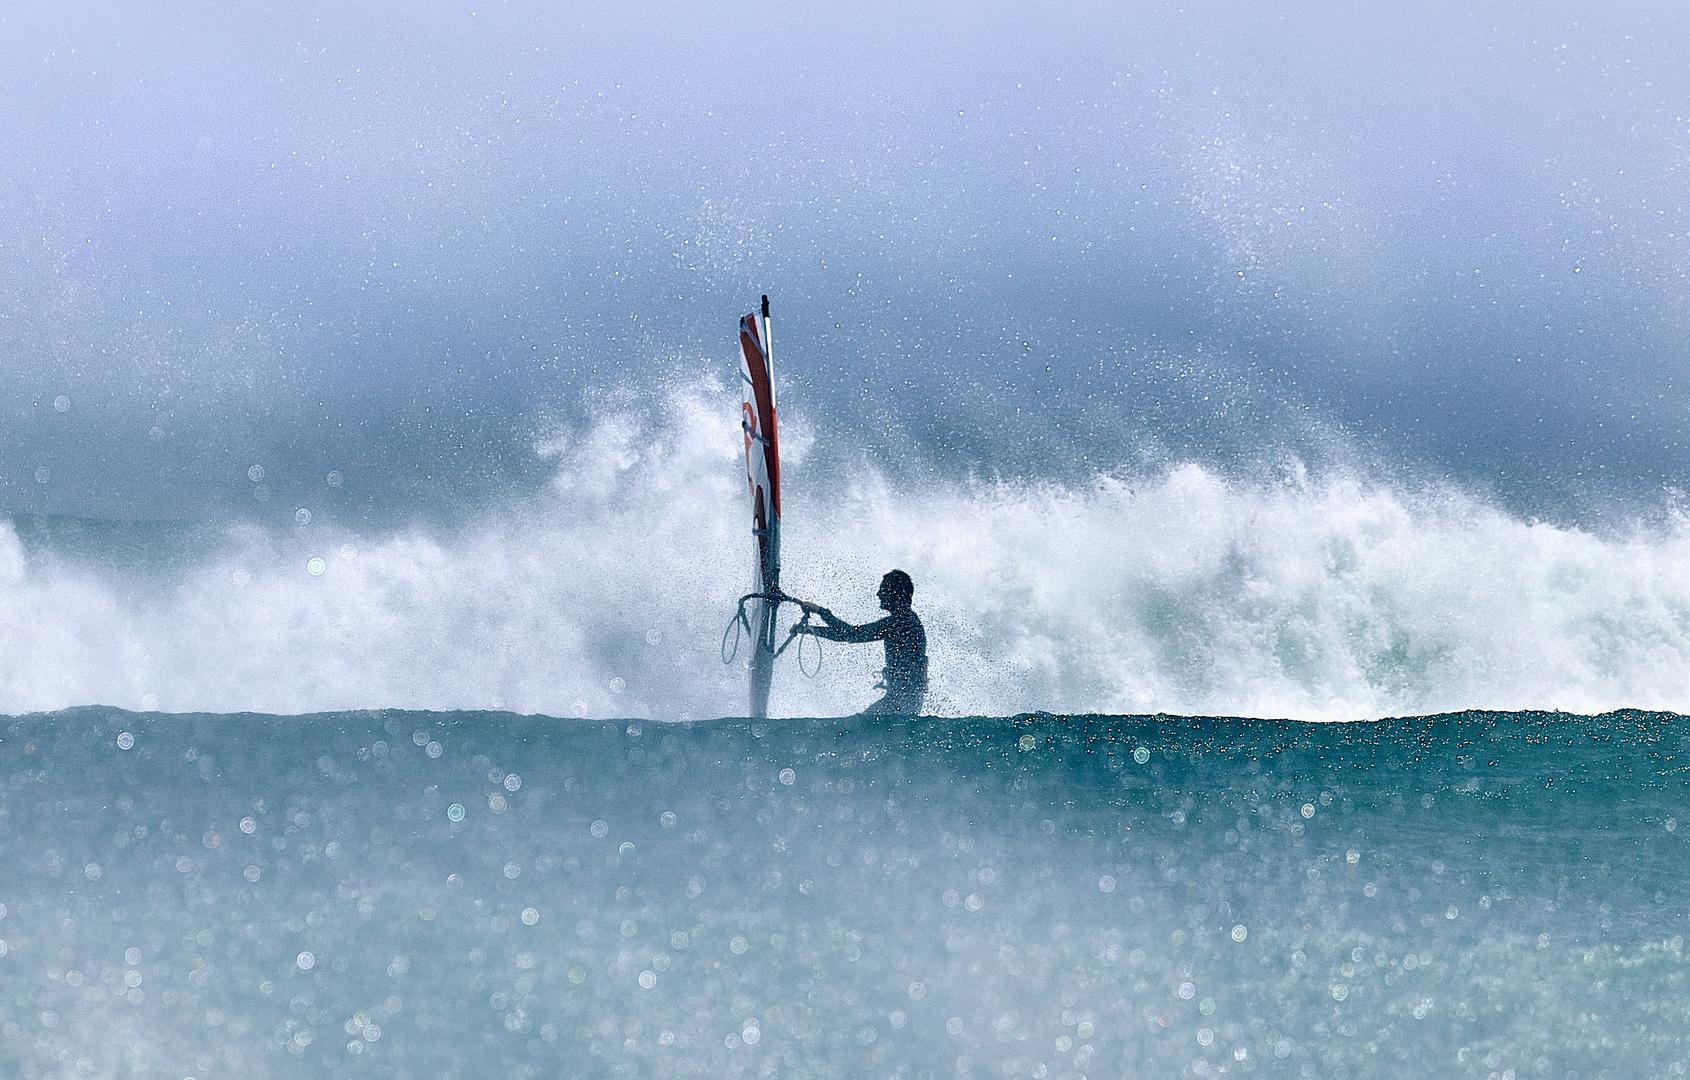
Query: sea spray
{"points": [[1179, 588]]}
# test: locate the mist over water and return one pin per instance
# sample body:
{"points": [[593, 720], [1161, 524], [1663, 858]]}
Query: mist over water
{"points": [[406, 247], [1206, 359], [1197, 359], [607, 594]]}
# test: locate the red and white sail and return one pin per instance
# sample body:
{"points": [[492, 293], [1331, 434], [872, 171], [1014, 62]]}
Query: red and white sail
{"points": [[762, 472]]}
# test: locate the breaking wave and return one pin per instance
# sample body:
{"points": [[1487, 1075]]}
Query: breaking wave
{"points": [[1186, 590]]}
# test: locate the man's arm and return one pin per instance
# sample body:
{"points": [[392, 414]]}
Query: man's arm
{"points": [[838, 629]]}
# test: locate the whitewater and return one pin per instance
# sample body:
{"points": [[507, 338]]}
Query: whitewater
{"points": [[1179, 589]]}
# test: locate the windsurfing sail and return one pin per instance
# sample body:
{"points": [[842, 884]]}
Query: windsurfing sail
{"points": [[762, 472]]}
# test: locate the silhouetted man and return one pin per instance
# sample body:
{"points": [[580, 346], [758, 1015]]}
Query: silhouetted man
{"points": [[905, 676]]}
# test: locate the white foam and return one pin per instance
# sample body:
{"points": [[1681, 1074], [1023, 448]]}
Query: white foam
{"points": [[1188, 592]]}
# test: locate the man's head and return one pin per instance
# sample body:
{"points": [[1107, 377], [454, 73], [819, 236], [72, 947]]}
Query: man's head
{"points": [[896, 590]]}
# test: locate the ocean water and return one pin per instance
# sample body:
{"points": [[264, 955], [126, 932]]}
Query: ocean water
{"points": [[390, 893], [369, 448]]}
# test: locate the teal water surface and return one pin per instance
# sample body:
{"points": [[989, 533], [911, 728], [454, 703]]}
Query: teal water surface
{"points": [[398, 894]]}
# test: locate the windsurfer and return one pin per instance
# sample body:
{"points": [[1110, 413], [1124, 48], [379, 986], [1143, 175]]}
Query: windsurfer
{"points": [[905, 676]]}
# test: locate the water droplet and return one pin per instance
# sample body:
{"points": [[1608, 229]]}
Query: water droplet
{"points": [[240, 578], [255, 474], [155, 433], [43, 474], [334, 478], [668, 819], [530, 916], [512, 869], [92, 871], [648, 979], [1106, 883], [1027, 742], [455, 812], [1672, 824], [618, 684], [1240, 932], [149, 702], [598, 829], [512, 782], [248, 826], [434, 749], [1186, 990], [1308, 810], [125, 741], [305, 961], [954, 1025], [917, 991], [653, 636], [738, 946], [261, 493], [1206, 1006], [788, 777], [315, 567], [1352, 857], [1340, 992], [302, 516], [1141, 755], [251, 873], [61, 404]]}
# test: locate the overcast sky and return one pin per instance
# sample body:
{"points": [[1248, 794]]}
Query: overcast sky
{"points": [[404, 246]]}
